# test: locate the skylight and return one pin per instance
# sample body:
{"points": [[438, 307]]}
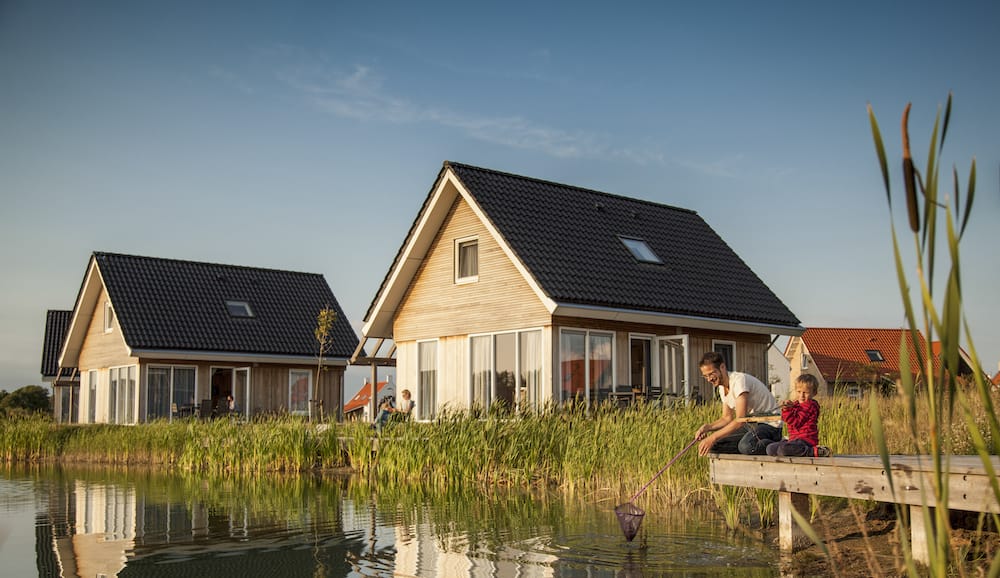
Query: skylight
{"points": [[874, 355], [239, 309], [640, 250]]}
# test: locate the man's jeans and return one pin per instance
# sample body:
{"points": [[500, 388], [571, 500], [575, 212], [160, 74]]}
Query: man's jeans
{"points": [[750, 439]]}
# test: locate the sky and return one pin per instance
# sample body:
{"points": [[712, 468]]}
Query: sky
{"points": [[306, 135]]}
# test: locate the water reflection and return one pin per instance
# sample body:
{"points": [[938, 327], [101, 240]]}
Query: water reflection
{"points": [[91, 522]]}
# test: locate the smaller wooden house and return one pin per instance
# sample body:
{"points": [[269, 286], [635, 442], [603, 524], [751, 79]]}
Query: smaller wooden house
{"points": [[160, 338], [65, 381]]}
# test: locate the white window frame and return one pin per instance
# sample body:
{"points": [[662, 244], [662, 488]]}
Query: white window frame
{"points": [[109, 316], [531, 397], [309, 394], [732, 345], [804, 364], [587, 346], [130, 405], [419, 402], [92, 382], [459, 244]]}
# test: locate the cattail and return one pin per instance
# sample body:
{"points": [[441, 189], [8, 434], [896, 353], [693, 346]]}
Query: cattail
{"points": [[909, 175]]}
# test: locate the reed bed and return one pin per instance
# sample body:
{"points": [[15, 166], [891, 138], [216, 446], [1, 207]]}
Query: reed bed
{"points": [[607, 452], [219, 446]]}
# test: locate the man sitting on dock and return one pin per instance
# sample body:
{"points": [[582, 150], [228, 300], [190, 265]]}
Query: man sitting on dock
{"points": [[742, 395]]}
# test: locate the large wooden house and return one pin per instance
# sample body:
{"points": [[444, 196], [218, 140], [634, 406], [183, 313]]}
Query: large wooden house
{"points": [[526, 292], [160, 339]]}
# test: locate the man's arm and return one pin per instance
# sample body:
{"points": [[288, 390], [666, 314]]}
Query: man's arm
{"points": [[723, 426]]}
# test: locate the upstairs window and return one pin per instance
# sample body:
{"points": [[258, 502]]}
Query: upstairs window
{"points": [[239, 309], [640, 250], [109, 317], [466, 260], [874, 355]]}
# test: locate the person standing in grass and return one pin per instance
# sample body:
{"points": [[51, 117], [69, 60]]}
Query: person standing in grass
{"points": [[801, 412], [742, 395]]}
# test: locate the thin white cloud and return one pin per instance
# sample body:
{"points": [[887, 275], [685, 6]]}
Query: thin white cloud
{"points": [[359, 94]]}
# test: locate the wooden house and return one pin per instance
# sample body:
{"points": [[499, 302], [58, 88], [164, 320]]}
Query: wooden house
{"points": [[161, 339], [852, 359], [514, 290], [65, 381]]}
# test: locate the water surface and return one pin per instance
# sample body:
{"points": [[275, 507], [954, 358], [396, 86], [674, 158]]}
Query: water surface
{"points": [[89, 522]]}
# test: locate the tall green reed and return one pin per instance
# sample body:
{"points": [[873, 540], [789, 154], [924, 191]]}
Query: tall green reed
{"points": [[939, 403]]}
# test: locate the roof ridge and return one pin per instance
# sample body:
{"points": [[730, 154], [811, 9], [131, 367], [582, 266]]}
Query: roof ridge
{"points": [[209, 263], [448, 164]]}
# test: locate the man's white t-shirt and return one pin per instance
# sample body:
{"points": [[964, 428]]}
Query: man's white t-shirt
{"points": [[759, 397]]}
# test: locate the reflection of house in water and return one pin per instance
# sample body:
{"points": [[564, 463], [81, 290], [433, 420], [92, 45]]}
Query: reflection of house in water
{"points": [[96, 529], [424, 550]]}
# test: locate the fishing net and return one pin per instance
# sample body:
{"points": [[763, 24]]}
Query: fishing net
{"points": [[629, 518]]}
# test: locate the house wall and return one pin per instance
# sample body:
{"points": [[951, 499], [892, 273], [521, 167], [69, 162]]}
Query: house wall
{"points": [[436, 306], [795, 352]]}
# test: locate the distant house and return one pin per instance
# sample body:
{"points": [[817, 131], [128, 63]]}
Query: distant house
{"points": [[514, 290], [852, 358], [65, 381], [160, 339], [358, 407]]}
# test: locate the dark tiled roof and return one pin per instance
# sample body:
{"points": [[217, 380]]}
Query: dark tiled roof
{"points": [[568, 238], [181, 305], [56, 325]]}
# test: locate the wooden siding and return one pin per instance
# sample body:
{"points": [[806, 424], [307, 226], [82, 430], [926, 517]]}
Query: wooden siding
{"points": [[102, 350], [436, 306]]}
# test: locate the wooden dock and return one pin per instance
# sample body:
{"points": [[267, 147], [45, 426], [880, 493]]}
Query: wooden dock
{"points": [[858, 477]]}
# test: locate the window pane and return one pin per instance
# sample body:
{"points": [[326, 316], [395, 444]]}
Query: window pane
{"points": [[505, 381], [130, 394], [113, 395], [157, 393], [92, 402], [468, 259], [298, 391], [571, 359], [184, 390], [531, 370], [427, 388], [600, 366], [481, 370]]}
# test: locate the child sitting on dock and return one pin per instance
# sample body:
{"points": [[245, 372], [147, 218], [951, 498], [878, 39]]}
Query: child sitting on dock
{"points": [[801, 413]]}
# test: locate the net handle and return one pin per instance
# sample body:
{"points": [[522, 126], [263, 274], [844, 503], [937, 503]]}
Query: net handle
{"points": [[664, 468]]}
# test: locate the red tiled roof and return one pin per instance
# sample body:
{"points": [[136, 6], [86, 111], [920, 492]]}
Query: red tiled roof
{"points": [[840, 354], [996, 379], [363, 396]]}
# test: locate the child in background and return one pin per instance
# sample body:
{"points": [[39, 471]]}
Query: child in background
{"points": [[801, 412]]}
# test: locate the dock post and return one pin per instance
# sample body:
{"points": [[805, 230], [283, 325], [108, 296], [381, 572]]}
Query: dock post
{"points": [[789, 531]]}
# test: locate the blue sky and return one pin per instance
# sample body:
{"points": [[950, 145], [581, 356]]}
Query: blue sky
{"points": [[305, 135]]}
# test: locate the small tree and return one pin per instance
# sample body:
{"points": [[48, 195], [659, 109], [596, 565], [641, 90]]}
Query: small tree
{"points": [[324, 339], [28, 399]]}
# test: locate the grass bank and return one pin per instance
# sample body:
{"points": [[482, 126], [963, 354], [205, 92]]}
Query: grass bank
{"points": [[610, 452]]}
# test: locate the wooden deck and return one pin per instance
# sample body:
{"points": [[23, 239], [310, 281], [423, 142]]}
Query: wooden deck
{"points": [[858, 477]]}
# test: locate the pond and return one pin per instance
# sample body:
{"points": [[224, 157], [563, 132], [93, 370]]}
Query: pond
{"points": [[104, 522]]}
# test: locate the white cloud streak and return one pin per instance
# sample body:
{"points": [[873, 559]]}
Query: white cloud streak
{"points": [[359, 94]]}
